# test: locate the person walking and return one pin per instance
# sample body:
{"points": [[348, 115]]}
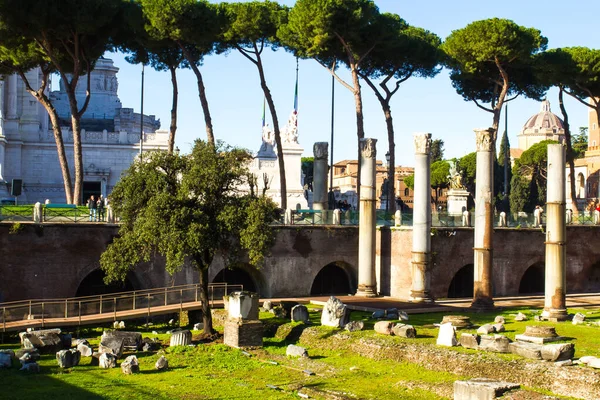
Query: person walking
{"points": [[101, 206], [93, 207]]}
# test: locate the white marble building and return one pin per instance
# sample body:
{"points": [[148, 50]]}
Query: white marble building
{"points": [[110, 137], [265, 165]]}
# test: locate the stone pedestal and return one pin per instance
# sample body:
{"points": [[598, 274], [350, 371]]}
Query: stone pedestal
{"points": [[481, 389], [243, 306], [320, 171], [421, 245], [555, 306], [181, 338], [457, 201], [243, 334], [367, 285], [484, 214]]}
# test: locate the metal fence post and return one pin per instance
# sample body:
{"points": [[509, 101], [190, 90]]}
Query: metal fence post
{"points": [[196, 292], [29, 307], [165, 296], [66, 308], [148, 316], [134, 300], [180, 300], [101, 304], [4, 319], [115, 307], [43, 314], [80, 313]]}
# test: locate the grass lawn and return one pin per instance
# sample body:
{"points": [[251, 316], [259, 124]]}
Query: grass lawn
{"points": [[215, 371]]}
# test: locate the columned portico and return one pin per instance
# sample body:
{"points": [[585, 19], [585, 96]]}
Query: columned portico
{"points": [[483, 290], [367, 283]]}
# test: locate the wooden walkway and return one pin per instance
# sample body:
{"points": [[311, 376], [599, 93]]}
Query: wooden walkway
{"points": [[585, 300]]}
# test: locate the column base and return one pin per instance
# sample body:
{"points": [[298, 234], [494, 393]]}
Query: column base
{"points": [[366, 291], [483, 304], [555, 315], [420, 297]]}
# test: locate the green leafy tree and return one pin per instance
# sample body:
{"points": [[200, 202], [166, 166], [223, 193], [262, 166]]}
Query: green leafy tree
{"points": [[437, 150], [467, 166], [492, 59], [307, 169], [439, 176], [188, 208], [194, 26], [580, 142], [249, 28], [19, 55], [530, 168], [333, 31], [407, 52], [71, 35]]}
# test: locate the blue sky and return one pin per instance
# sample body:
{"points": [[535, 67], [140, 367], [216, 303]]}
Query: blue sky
{"points": [[421, 105]]}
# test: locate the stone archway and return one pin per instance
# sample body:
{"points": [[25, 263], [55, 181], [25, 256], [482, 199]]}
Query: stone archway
{"points": [[534, 279], [461, 285], [333, 279], [239, 276], [592, 282], [93, 285]]}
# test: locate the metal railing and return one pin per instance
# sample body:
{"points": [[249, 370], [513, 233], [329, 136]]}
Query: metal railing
{"points": [[108, 306]]}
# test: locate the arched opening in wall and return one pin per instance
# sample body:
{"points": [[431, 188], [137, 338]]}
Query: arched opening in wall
{"points": [[534, 279], [580, 186], [332, 279], [237, 276], [93, 285], [462, 283], [592, 282]]}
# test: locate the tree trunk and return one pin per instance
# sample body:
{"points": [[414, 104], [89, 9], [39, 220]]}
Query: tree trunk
{"points": [[77, 155], [201, 93], [173, 127], [269, 98], [41, 97], [391, 194], [570, 159], [206, 312], [360, 129]]}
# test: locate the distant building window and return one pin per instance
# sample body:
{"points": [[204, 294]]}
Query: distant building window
{"points": [[407, 192], [594, 127], [593, 143]]}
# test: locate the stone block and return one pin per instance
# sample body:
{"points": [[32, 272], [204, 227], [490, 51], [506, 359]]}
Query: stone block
{"points": [[447, 335], [485, 329], [520, 317], [131, 340], [181, 338], [578, 318], [130, 365], [499, 327], [68, 358], [267, 305], [296, 351], [243, 305], [31, 367], [481, 389], [458, 321], [403, 330], [354, 326], [469, 341], [243, 334], [111, 345], [5, 360], [527, 350], [299, 313], [107, 360], [161, 364], [495, 343], [558, 352], [499, 320], [335, 313], [384, 327]]}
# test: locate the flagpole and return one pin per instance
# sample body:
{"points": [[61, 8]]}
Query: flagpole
{"points": [[142, 116], [506, 151]]}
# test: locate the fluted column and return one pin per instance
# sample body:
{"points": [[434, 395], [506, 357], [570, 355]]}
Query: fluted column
{"points": [[555, 306], [421, 245], [320, 172], [367, 284], [483, 290]]}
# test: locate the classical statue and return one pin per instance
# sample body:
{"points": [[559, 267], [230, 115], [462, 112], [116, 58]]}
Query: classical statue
{"points": [[455, 177], [290, 132]]}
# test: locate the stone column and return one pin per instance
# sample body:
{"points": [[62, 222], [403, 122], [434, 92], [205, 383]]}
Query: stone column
{"points": [[320, 173], [484, 214], [11, 107], [367, 285], [555, 306], [421, 246]]}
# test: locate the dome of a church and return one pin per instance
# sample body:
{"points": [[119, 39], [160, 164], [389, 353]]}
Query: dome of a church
{"points": [[544, 121], [542, 126]]}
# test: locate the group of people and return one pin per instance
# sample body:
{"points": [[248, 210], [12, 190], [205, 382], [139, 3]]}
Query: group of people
{"points": [[97, 207]]}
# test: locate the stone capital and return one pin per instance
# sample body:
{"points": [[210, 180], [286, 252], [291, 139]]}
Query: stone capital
{"points": [[320, 150], [368, 148], [483, 139], [422, 142]]}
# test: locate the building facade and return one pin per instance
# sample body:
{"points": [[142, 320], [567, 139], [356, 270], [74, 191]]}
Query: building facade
{"points": [[110, 136]]}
